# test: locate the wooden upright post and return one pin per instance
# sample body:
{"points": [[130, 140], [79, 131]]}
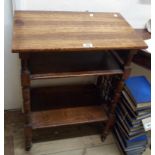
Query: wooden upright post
{"points": [[117, 94], [25, 82]]}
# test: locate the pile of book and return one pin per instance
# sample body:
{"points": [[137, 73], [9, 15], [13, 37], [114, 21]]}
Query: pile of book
{"points": [[134, 106]]}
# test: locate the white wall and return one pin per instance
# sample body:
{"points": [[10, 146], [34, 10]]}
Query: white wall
{"points": [[137, 12], [12, 91]]}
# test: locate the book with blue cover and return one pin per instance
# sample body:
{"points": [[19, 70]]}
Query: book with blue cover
{"points": [[123, 131], [136, 149], [137, 141], [126, 115], [134, 114], [139, 90], [129, 133], [134, 105]]}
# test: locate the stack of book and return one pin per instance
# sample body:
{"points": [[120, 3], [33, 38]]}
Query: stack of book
{"points": [[134, 106]]}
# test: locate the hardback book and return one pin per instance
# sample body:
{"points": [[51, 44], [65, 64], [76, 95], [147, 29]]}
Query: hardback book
{"points": [[131, 128], [130, 121], [130, 133], [142, 138], [143, 112], [127, 117], [132, 104], [139, 89], [134, 114], [138, 106], [126, 122], [135, 149], [137, 141], [126, 114], [123, 131], [133, 107]]}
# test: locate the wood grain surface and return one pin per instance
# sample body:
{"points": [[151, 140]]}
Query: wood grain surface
{"points": [[68, 116], [72, 31], [66, 105]]}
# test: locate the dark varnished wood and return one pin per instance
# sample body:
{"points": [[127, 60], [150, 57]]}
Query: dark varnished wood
{"points": [[49, 65], [117, 90], [50, 45], [57, 97], [143, 59], [28, 136], [68, 116], [41, 31], [25, 82], [73, 74]]}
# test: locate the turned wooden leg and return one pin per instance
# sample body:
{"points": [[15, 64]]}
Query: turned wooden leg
{"points": [[108, 126], [28, 126], [28, 137], [25, 82], [117, 93], [111, 111]]}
